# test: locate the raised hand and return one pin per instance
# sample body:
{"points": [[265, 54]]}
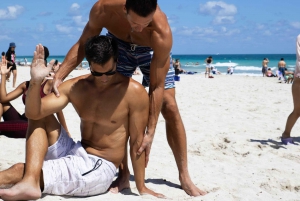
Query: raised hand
{"points": [[3, 69], [39, 70]]}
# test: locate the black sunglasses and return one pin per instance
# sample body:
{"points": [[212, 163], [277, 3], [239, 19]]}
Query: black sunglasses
{"points": [[108, 73]]}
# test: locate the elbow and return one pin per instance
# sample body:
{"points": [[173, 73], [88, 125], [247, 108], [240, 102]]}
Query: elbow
{"points": [[31, 115]]}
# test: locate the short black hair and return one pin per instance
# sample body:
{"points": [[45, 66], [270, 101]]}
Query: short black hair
{"points": [[282, 59], [3, 53], [100, 49], [46, 54], [141, 7]]}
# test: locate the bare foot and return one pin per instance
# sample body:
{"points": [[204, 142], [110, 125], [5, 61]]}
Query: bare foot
{"points": [[189, 187], [120, 184], [21, 191]]}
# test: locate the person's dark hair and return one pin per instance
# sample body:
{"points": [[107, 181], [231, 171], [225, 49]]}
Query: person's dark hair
{"points": [[100, 49], [3, 53], [141, 7], [210, 57], [264, 58], [177, 60], [46, 54], [282, 59], [269, 68]]}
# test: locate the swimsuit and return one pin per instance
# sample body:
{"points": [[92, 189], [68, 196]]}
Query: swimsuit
{"points": [[132, 56], [69, 170], [13, 115]]}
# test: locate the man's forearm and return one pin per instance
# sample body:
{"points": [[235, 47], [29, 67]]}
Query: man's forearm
{"points": [[73, 59], [156, 100], [33, 100], [138, 164]]}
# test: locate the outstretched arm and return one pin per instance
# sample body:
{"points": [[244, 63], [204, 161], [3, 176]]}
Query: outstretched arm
{"points": [[4, 96], [138, 116], [159, 68], [37, 108], [76, 53]]}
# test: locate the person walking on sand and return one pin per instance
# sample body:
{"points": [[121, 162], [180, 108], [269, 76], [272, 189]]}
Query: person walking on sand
{"points": [[293, 117], [264, 69], [145, 40], [208, 62], [88, 167], [11, 62]]}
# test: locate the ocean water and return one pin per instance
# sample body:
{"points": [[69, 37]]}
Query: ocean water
{"points": [[244, 64]]}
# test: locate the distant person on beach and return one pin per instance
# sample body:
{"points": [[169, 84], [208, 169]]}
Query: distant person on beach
{"points": [[270, 73], [265, 66], [178, 69], [230, 70], [208, 62], [215, 71], [281, 68], [25, 61], [108, 120], [9, 113], [293, 117], [11, 62], [289, 76], [145, 40]]}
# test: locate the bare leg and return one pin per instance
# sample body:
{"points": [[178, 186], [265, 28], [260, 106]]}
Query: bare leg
{"points": [[15, 78], [8, 76], [293, 117], [37, 142], [177, 140], [122, 182], [12, 175]]}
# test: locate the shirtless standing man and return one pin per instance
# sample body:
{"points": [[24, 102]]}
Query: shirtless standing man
{"points": [[88, 167], [281, 67], [264, 64], [145, 40]]}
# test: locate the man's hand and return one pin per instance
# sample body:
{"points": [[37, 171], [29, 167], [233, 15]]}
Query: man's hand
{"points": [[55, 85], [146, 145], [38, 69]]}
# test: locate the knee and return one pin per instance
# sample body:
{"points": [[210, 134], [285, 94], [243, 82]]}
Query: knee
{"points": [[169, 109], [18, 167]]}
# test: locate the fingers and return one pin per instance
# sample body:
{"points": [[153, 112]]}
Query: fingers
{"points": [[141, 149], [147, 155], [55, 90]]}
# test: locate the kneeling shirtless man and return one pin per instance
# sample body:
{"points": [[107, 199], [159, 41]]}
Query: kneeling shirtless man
{"points": [[110, 113]]}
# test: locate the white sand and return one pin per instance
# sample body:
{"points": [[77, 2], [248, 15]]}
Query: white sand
{"points": [[233, 125]]}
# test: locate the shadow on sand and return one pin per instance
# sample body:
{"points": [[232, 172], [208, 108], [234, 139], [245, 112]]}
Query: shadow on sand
{"points": [[276, 144]]}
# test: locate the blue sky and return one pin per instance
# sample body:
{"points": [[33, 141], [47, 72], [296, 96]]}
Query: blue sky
{"points": [[199, 27]]}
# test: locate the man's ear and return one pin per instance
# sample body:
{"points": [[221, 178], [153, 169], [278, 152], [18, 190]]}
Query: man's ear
{"points": [[124, 9]]}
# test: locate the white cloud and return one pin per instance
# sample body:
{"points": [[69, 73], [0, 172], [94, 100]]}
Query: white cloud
{"points": [[74, 9], [219, 8], [4, 37], [11, 12], [78, 20], [224, 20], [63, 29], [295, 25], [40, 27], [223, 12]]}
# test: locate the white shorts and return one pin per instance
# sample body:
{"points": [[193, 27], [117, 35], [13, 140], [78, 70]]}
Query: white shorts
{"points": [[69, 170]]}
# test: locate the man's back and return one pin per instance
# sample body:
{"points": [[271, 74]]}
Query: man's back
{"points": [[115, 21]]}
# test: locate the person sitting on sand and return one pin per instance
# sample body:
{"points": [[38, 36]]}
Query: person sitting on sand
{"points": [[178, 69], [108, 120], [289, 76], [293, 117], [9, 113], [270, 73]]}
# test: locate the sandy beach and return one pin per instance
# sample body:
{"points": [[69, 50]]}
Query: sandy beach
{"points": [[233, 125]]}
